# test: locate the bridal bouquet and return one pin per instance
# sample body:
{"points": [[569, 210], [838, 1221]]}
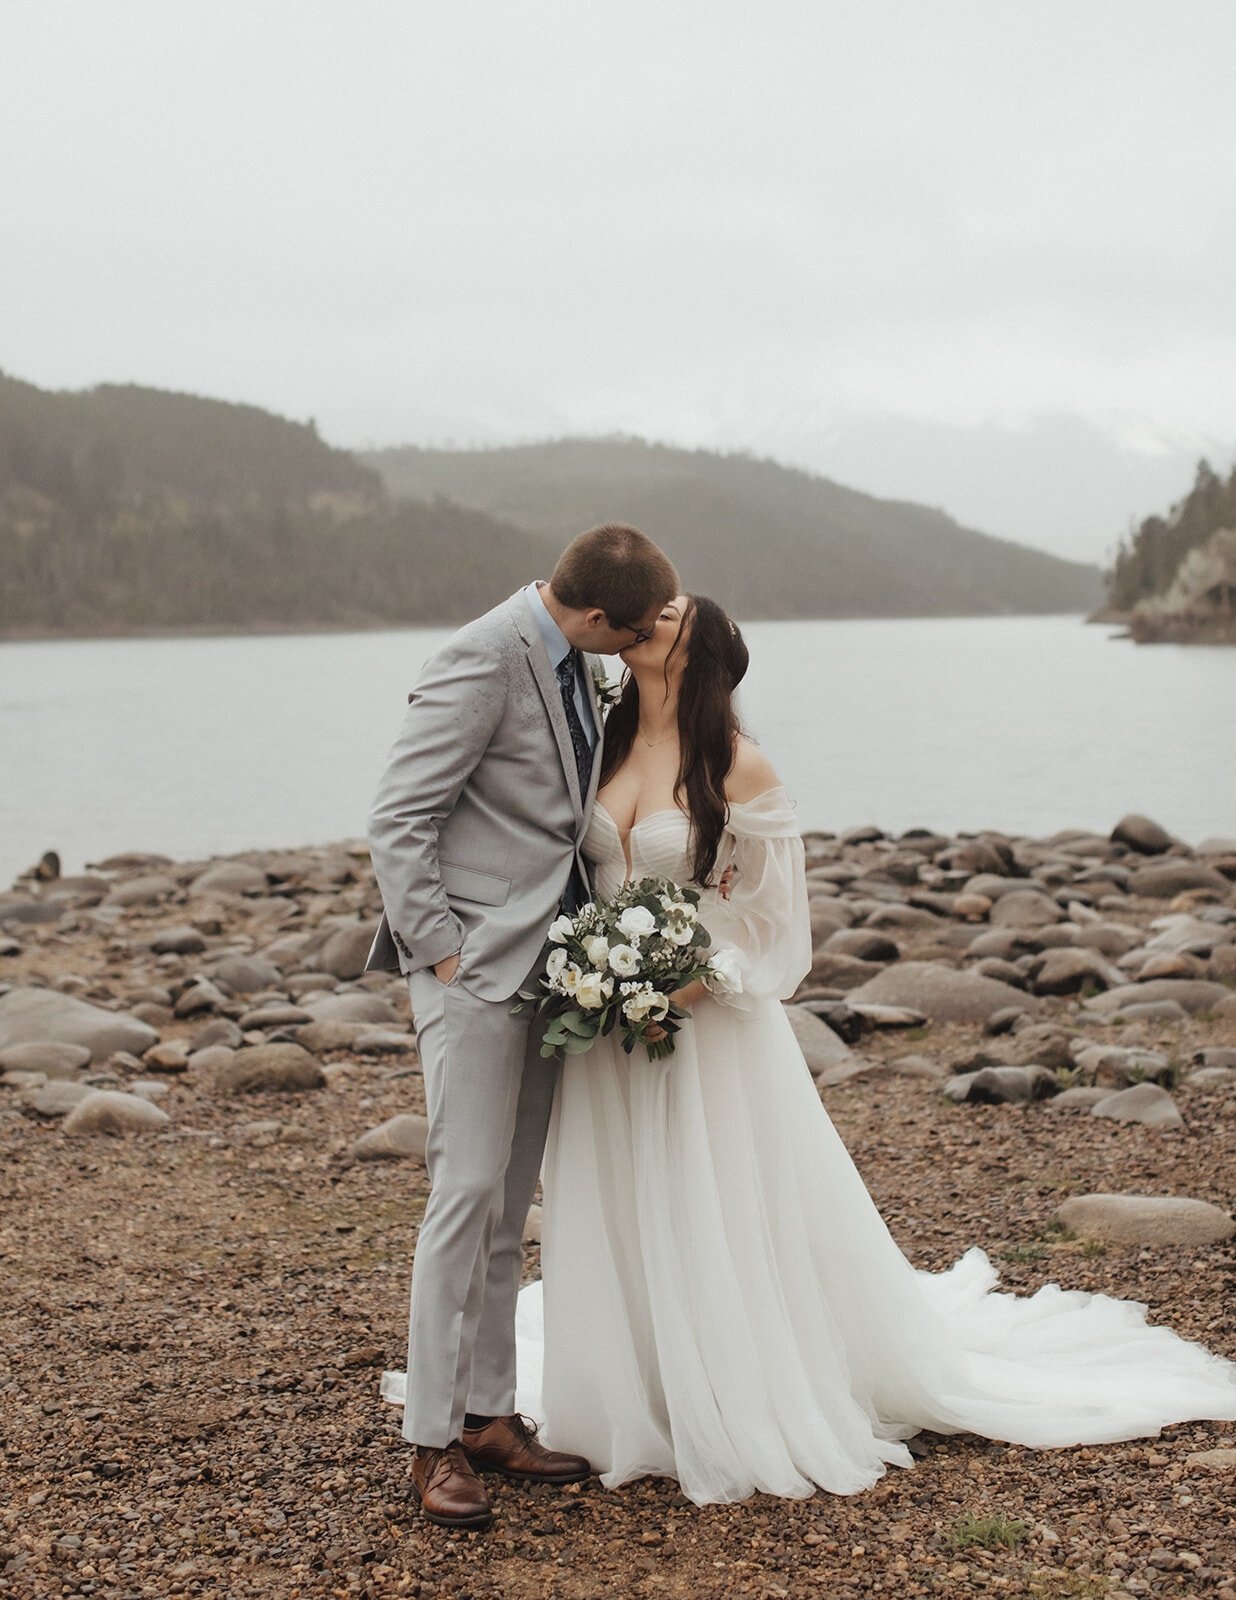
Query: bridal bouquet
{"points": [[615, 963]]}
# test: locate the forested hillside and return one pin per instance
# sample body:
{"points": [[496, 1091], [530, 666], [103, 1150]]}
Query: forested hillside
{"points": [[1147, 562], [765, 540], [125, 509]]}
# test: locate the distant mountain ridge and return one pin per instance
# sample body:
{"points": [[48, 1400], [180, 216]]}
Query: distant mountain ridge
{"points": [[764, 539], [126, 509], [129, 510]]}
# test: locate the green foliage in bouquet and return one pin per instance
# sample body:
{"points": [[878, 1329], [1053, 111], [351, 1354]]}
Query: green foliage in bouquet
{"points": [[615, 963]]}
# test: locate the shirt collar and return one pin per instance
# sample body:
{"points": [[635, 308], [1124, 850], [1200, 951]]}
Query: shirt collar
{"points": [[556, 642]]}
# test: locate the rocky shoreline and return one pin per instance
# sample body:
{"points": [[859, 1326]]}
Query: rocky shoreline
{"points": [[212, 1123]]}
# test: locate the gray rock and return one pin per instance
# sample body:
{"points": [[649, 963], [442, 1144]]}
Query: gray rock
{"points": [[910, 919], [888, 1016], [1145, 1103], [230, 878], [1215, 1056], [865, 943], [382, 1042], [1041, 1043], [401, 1137], [333, 1034], [280, 1016], [1165, 880], [1004, 944], [1211, 1078], [246, 974], [142, 891], [1109, 938], [52, 1059], [822, 1049], [1222, 968], [171, 1056], [1113, 1064], [1002, 1085], [108, 1111], [265, 1132], [1146, 1219], [1191, 994], [281, 1068], [1001, 971], [154, 1014], [299, 984], [917, 1066], [1142, 835], [837, 971], [148, 1088], [211, 1057], [1220, 1460], [532, 1225], [344, 954], [1002, 1021], [38, 1015], [1068, 971], [941, 993], [178, 942], [353, 1008], [1152, 1011], [133, 861], [1079, 1098], [1024, 908], [1182, 934], [198, 997], [221, 1031], [57, 1099]]}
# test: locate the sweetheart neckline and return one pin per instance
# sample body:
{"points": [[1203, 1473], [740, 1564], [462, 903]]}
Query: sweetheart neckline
{"points": [[665, 811]]}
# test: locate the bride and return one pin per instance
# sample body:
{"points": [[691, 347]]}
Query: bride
{"points": [[721, 1302]]}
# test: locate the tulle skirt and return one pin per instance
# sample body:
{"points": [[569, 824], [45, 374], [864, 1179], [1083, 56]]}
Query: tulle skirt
{"points": [[721, 1302]]}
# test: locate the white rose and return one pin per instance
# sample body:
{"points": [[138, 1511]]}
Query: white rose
{"points": [[590, 991], [637, 1006], [636, 921], [677, 933], [624, 960], [725, 974], [597, 950], [560, 930], [569, 978], [554, 964], [681, 910]]}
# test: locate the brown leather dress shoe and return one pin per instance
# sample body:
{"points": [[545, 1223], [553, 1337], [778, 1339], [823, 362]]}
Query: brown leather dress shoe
{"points": [[509, 1445], [449, 1491]]}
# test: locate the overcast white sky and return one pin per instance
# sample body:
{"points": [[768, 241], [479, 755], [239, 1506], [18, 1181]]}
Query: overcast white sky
{"points": [[913, 243]]}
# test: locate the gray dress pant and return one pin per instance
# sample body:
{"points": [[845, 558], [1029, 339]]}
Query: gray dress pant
{"points": [[489, 1095]]}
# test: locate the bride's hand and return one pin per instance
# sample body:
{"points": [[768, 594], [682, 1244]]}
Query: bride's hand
{"points": [[683, 999]]}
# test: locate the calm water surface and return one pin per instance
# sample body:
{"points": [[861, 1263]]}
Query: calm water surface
{"points": [[1028, 724]]}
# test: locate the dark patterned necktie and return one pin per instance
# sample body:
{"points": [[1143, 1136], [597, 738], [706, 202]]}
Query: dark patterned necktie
{"points": [[565, 673]]}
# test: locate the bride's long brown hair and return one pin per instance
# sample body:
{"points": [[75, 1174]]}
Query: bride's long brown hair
{"points": [[716, 661]]}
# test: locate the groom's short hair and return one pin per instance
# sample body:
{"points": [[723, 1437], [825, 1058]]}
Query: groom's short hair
{"points": [[616, 569]]}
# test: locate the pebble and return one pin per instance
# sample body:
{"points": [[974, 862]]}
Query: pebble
{"points": [[399, 1137]]}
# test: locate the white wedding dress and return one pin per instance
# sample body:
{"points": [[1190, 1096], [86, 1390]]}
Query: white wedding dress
{"points": [[721, 1302]]}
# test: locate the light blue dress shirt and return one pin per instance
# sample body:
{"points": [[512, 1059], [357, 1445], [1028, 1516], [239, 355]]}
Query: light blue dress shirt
{"points": [[558, 647]]}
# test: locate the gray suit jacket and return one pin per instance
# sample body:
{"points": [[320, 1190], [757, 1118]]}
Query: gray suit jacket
{"points": [[478, 813]]}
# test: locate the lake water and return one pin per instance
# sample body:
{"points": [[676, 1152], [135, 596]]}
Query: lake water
{"points": [[1027, 724]]}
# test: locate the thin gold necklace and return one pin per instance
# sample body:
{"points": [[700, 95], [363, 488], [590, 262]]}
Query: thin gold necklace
{"points": [[653, 743]]}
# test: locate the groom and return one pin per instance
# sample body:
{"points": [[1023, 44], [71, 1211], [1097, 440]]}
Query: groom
{"points": [[475, 836]]}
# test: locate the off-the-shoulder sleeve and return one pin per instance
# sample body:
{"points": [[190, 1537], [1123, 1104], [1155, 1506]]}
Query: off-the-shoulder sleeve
{"points": [[766, 920]]}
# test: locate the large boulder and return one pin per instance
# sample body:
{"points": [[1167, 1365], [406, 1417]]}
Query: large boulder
{"points": [[397, 1139], [822, 1049], [1144, 1102], [1165, 880], [347, 949], [1142, 835], [941, 993], [52, 1059], [109, 1111], [1002, 1085], [352, 1008], [33, 1015], [1191, 994], [834, 970], [1146, 1219], [282, 1068]]}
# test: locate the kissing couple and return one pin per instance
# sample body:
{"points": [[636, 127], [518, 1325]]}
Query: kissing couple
{"points": [[720, 1301]]}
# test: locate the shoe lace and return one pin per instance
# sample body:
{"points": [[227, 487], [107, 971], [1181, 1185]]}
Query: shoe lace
{"points": [[525, 1427], [443, 1461]]}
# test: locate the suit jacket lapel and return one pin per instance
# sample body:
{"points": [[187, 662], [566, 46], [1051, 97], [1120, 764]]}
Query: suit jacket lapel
{"points": [[547, 683]]}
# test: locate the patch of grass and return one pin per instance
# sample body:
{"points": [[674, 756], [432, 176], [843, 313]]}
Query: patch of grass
{"points": [[1066, 1077], [1055, 1232], [1023, 1254], [1089, 989], [1094, 1247], [996, 1532]]}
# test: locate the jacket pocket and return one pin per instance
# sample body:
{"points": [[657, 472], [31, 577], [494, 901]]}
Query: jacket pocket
{"points": [[465, 883]]}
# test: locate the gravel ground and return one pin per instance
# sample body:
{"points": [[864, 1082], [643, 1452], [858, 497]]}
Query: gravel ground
{"points": [[198, 1318]]}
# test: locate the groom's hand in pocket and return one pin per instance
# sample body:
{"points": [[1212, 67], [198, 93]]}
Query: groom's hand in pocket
{"points": [[446, 970]]}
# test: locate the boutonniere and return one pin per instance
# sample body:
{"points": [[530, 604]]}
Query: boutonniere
{"points": [[608, 694]]}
